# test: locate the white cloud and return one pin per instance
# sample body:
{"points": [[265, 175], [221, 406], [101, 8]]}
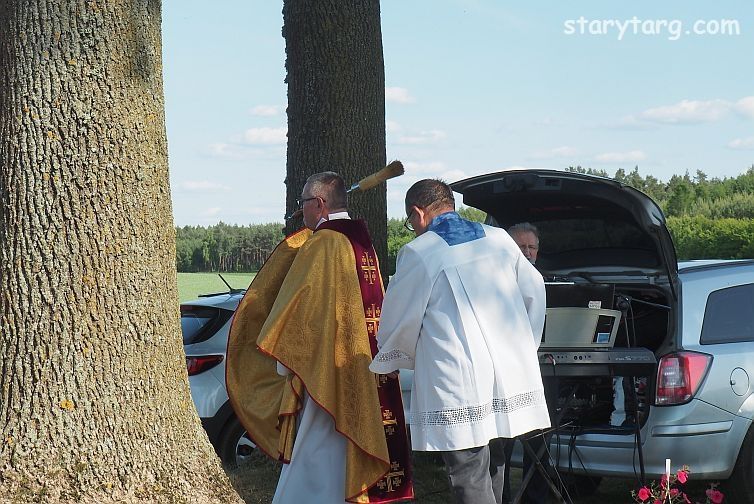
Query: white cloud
{"points": [[430, 167], [392, 127], [416, 171], [266, 110], [425, 137], [688, 112], [398, 95], [745, 106], [224, 151], [621, 157], [235, 151], [558, 152], [266, 136], [219, 149], [206, 186], [742, 143]]}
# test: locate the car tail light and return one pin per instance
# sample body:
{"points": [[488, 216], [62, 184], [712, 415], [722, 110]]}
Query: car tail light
{"points": [[679, 376], [202, 363]]}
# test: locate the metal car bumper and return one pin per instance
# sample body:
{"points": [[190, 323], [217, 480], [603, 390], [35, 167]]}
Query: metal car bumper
{"points": [[699, 435]]}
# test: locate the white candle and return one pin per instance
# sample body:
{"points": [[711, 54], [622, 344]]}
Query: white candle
{"points": [[667, 470]]}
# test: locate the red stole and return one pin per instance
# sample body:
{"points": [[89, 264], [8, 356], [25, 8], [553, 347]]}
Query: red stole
{"points": [[397, 483]]}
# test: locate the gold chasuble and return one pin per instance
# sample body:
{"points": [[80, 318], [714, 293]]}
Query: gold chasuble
{"points": [[314, 307]]}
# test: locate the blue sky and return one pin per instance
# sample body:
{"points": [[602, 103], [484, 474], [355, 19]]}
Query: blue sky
{"points": [[473, 86]]}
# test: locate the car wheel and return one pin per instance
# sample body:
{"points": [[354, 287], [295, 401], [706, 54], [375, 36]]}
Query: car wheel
{"points": [[741, 482], [235, 445]]}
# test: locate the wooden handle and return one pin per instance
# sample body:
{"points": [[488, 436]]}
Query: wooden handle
{"points": [[394, 169]]}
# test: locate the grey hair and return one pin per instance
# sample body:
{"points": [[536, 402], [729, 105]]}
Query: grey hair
{"points": [[330, 187], [524, 227]]}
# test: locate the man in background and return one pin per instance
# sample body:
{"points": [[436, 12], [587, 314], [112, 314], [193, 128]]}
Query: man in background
{"points": [[526, 237], [464, 310]]}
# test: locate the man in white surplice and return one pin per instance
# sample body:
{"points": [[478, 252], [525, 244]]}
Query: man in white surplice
{"points": [[465, 310]]}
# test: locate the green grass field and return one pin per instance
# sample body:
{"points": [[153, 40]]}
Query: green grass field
{"points": [[190, 285]]}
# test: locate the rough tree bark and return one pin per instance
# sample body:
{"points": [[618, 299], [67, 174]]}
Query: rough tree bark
{"points": [[94, 400], [336, 101]]}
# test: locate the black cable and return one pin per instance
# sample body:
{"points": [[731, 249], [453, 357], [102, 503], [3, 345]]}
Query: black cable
{"points": [[637, 442], [563, 487], [624, 305], [637, 430], [571, 447], [633, 324], [581, 461], [555, 464], [628, 335]]}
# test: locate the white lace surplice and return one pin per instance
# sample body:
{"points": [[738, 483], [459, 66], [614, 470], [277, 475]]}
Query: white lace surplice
{"points": [[468, 319]]}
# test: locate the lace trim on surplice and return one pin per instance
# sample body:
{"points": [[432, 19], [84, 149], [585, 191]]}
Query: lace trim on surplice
{"points": [[475, 414], [392, 355]]}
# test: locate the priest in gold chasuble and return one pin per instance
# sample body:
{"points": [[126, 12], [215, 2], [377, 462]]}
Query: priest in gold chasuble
{"points": [[298, 362]]}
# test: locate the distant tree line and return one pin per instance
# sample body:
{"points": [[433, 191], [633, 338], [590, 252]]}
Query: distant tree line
{"points": [[684, 196], [707, 217], [224, 247]]}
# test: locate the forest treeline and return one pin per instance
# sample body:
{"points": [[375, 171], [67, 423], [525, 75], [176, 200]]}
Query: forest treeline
{"points": [[225, 247], [707, 217]]}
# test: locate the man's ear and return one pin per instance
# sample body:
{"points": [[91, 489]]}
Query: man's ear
{"points": [[322, 208]]}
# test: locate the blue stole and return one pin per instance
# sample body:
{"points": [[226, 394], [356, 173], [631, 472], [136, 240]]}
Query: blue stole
{"points": [[454, 229]]}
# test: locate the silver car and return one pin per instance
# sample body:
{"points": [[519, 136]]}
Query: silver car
{"points": [[676, 381], [205, 323]]}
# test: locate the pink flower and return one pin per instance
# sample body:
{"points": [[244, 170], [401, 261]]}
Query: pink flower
{"points": [[643, 494], [663, 481], [682, 476], [673, 492], [716, 496], [657, 501]]}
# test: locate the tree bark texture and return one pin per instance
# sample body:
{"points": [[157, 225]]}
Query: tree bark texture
{"points": [[336, 102], [94, 398]]}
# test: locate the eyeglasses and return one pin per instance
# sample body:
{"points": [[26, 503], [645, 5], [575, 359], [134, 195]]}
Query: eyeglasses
{"points": [[300, 202], [407, 223]]}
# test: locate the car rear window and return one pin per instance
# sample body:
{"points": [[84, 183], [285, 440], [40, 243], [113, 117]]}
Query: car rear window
{"points": [[199, 323], [579, 234], [729, 316]]}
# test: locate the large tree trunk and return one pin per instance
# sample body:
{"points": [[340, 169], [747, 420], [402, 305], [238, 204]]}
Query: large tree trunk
{"points": [[94, 400], [336, 101]]}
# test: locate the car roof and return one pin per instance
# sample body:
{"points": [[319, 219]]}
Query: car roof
{"points": [[227, 300], [706, 264]]}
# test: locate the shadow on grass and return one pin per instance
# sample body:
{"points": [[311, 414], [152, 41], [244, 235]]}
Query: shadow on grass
{"points": [[256, 479]]}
